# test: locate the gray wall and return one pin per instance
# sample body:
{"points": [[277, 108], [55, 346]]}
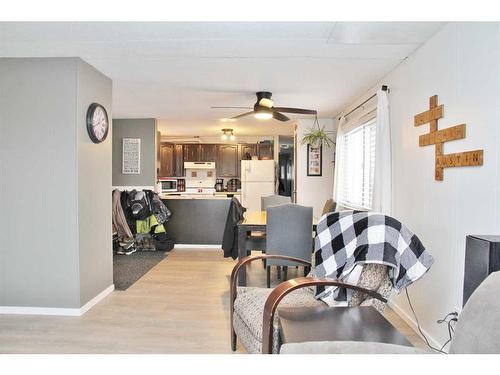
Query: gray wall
{"points": [[94, 192], [42, 170], [145, 129]]}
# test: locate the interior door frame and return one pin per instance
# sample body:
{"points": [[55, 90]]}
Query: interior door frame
{"points": [[295, 159]]}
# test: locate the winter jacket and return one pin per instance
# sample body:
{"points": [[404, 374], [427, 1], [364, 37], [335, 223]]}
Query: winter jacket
{"points": [[230, 239], [119, 219]]}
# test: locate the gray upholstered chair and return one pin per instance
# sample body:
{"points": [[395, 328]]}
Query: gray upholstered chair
{"points": [[257, 240], [247, 304], [477, 330], [288, 232], [273, 200]]}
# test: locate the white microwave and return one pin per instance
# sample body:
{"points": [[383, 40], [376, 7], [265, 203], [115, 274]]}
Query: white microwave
{"points": [[168, 185]]}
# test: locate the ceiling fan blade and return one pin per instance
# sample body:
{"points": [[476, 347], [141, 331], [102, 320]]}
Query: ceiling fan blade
{"points": [[296, 110], [243, 115], [231, 107], [280, 116]]}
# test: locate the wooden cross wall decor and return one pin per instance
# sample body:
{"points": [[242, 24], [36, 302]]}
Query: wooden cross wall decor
{"points": [[438, 137]]}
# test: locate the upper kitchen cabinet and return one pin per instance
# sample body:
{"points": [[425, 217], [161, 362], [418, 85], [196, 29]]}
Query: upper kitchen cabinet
{"points": [[178, 161], [227, 163], [208, 153], [191, 152], [166, 160], [247, 151], [265, 151]]}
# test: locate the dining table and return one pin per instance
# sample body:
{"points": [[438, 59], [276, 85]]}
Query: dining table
{"points": [[254, 221]]}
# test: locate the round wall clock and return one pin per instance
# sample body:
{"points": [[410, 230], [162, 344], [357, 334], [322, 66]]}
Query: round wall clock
{"points": [[97, 123]]}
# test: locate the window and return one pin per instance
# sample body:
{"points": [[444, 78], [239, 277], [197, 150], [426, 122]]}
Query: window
{"points": [[357, 165]]}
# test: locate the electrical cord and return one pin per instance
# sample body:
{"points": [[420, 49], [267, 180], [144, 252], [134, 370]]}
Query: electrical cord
{"points": [[450, 327], [418, 326]]}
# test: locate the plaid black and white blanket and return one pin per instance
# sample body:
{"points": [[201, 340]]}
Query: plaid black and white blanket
{"points": [[346, 240]]}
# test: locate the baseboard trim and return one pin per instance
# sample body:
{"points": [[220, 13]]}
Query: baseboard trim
{"points": [[194, 246], [94, 301], [413, 324], [26, 310]]}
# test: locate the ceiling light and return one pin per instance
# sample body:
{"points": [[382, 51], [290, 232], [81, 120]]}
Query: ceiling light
{"points": [[227, 134], [263, 115]]}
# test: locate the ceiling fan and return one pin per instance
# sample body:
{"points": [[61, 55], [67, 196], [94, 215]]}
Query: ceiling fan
{"points": [[264, 109]]}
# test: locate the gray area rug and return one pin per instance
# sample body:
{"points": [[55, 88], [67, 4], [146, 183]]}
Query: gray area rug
{"points": [[127, 269]]}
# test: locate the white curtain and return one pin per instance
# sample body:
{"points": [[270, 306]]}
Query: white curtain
{"points": [[382, 184], [338, 150]]}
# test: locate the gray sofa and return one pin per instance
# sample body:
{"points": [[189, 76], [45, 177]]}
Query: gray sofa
{"points": [[477, 330]]}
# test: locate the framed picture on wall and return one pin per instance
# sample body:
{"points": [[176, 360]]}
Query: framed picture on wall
{"points": [[314, 160], [131, 156]]}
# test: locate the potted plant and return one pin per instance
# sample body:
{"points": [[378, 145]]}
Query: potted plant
{"points": [[317, 136]]}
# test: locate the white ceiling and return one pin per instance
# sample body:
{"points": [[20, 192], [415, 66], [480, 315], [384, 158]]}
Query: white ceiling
{"points": [[176, 71]]}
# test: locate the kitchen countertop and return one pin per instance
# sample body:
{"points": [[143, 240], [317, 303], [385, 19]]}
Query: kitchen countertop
{"points": [[219, 195]]}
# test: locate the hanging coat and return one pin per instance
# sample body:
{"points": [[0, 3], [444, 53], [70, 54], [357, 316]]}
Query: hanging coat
{"points": [[230, 239]]}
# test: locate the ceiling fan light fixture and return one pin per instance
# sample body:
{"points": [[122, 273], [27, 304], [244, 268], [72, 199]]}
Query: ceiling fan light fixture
{"points": [[263, 115]]}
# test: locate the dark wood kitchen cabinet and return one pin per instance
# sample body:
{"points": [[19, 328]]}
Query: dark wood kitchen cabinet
{"points": [[208, 152], [179, 161], [227, 157], [166, 160], [191, 152], [228, 161], [265, 151], [247, 151]]}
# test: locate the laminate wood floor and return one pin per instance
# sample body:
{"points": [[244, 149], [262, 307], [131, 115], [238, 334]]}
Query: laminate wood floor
{"points": [[179, 306]]}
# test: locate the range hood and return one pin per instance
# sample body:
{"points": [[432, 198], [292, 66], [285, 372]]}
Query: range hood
{"points": [[199, 165]]}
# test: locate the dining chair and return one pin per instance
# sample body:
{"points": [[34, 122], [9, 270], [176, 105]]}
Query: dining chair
{"points": [[289, 232], [330, 206], [269, 201], [273, 200]]}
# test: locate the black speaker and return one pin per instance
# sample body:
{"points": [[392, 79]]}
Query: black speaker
{"points": [[482, 257]]}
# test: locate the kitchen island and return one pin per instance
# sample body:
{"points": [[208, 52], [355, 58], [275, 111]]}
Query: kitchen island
{"points": [[197, 219]]}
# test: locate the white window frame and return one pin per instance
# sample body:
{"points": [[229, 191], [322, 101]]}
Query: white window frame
{"points": [[368, 119]]}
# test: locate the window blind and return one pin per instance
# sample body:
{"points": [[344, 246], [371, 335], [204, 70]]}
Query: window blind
{"points": [[357, 165]]}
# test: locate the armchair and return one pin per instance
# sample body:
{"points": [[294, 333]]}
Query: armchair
{"points": [[477, 330], [253, 310]]}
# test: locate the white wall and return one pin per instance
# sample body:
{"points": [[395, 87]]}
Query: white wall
{"points": [[461, 64], [314, 190]]}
